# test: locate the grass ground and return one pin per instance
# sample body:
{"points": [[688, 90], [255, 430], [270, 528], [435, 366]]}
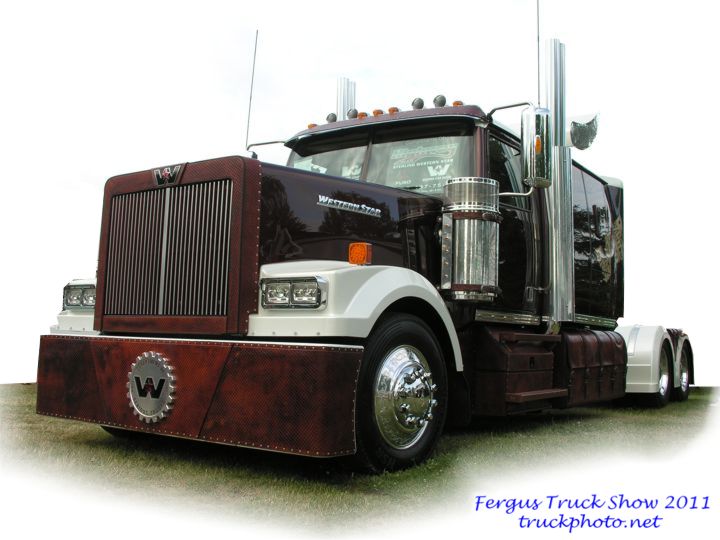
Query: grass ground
{"points": [[303, 491]]}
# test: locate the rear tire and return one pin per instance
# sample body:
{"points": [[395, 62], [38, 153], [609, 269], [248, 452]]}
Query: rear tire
{"points": [[662, 396], [402, 395], [682, 392]]}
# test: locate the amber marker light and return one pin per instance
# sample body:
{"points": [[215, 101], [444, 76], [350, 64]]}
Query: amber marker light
{"points": [[377, 112], [362, 115], [393, 110], [538, 144], [458, 103], [310, 126], [360, 253]]}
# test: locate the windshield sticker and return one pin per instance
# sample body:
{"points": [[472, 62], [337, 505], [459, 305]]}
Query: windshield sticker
{"points": [[425, 168], [351, 171]]}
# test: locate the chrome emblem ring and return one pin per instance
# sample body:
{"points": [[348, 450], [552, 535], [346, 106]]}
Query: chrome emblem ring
{"points": [[151, 387]]}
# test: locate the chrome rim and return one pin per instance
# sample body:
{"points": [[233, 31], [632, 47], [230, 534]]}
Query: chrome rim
{"points": [[684, 372], [664, 379], [403, 397]]}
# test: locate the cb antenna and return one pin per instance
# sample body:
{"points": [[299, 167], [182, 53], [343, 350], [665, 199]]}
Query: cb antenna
{"points": [[252, 84], [537, 18]]}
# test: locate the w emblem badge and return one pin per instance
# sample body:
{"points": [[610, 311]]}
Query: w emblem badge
{"points": [[151, 387], [167, 175]]}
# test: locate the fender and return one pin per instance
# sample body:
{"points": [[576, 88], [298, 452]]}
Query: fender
{"points": [[357, 296], [643, 348]]}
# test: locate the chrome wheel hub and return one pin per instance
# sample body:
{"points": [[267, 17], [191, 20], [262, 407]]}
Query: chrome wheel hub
{"points": [[403, 397]]}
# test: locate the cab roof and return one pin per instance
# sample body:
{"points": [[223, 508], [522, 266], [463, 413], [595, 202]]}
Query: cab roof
{"points": [[463, 111]]}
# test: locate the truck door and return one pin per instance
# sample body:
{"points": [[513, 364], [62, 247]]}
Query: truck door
{"points": [[517, 267], [598, 282]]}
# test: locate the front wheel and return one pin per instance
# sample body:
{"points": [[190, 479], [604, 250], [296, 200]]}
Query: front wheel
{"points": [[402, 395]]}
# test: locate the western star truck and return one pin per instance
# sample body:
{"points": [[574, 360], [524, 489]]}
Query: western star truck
{"points": [[406, 270]]}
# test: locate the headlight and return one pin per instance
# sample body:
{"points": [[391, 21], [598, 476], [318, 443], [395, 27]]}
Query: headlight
{"points": [[75, 297], [88, 297], [294, 293]]}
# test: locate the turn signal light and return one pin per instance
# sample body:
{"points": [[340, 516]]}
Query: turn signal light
{"points": [[360, 253]]}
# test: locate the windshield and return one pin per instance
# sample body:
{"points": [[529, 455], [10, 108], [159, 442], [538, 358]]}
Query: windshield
{"points": [[421, 165], [396, 156], [346, 162]]}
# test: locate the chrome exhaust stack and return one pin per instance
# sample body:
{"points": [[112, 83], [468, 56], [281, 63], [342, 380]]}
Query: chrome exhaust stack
{"points": [[561, 267], [345, 97]]}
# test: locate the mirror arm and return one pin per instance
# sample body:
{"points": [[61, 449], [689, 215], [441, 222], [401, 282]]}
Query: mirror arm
{"points": [[489, 115], [526, 194]]}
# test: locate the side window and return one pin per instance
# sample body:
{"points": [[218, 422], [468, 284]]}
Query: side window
{"points": [[504, 166]]}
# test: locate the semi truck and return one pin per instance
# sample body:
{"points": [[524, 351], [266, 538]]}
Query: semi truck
{"points": [[406, 271]]}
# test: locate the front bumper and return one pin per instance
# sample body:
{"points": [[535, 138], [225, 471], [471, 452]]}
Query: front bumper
{"points": [[283, 397]]}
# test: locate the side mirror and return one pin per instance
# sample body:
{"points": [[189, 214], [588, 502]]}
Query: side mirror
{"points": [[537, 146], [582, 133]]}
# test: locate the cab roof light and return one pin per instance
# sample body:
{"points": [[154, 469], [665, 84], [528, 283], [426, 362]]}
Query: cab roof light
{"points": [[332, 117], [310, 126], [458, 103], [360, 253], [352, 113], [439, 100], [418, 103], [362, 115], [393, 110], [378, 112]]}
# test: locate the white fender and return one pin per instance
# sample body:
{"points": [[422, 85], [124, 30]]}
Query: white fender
{"points": [[644, 344], [357, 296]]}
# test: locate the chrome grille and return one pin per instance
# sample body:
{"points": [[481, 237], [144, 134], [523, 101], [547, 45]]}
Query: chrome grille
{"points": [[168, 251]]}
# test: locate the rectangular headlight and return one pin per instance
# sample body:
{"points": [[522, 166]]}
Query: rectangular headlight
{"points": [[75, 296], [305, 293], [88, 297], [277, 293], [72, 297], [296, 292]]}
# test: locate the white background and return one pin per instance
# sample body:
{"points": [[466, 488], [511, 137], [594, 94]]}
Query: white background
{"points": [[89, 90]]}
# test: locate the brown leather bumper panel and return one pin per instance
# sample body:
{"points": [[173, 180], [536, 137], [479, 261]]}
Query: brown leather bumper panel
{"points": [[291, 398]]}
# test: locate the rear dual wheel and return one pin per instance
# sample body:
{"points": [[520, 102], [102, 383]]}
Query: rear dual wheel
{"points": [[682, 392], [402, 395], [662, 396]]}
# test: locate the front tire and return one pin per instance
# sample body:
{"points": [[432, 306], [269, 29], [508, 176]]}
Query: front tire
{"points": [[402, 395]]}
